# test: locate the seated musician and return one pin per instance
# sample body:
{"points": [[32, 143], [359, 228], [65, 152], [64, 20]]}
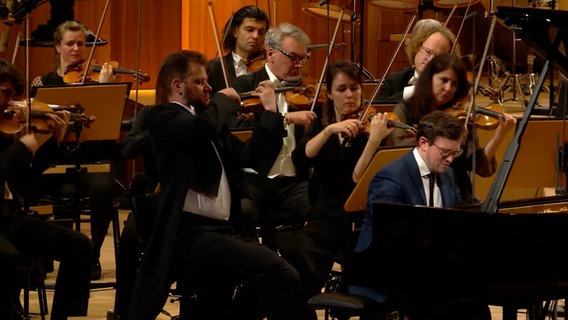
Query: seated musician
{"points": [[26, 238], [423, 176], [69, 44], [198, 162], [442, 85], [277, 188], [244, 41], [337, 166], [428, 39]]}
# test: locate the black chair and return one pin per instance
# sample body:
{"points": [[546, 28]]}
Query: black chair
{"points": [[33, 277], [194, 303], [338, 304], [335, 300], [342, 306]]}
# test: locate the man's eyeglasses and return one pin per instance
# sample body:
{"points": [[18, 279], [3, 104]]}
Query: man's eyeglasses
{"points": [[445, 153], [295, 59], [7, 92], [428, 52]]}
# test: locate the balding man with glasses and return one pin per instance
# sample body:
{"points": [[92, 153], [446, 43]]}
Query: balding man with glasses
{"points": [[428, 39]]}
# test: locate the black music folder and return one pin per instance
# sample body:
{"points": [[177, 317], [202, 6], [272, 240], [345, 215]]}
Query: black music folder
{"points": [[103, 101]]}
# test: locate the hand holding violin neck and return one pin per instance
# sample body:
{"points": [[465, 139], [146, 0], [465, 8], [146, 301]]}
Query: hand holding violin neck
{"points": [[249, 94]]}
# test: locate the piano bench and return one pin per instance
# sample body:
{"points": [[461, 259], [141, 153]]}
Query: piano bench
{"points": [[339, 305]]}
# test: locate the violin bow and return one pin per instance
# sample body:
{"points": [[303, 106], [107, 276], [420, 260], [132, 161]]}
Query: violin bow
{"points": [[461, 25], [451, 14], [218, 44], [329, 49], [274, 5], [86, 69], [376, 91], [478, 76]]}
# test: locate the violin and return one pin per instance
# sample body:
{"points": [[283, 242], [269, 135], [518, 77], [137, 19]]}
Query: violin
{"points": [[392, 121], [256, 61], [13, 120], [250, 103], [302, 97], [75, 73], [486, 118]]}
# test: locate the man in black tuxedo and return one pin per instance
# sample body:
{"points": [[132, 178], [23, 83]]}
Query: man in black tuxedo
{"points": [[25, 238], [278, 190], [428, 38], [244, 41], [194, 241]]}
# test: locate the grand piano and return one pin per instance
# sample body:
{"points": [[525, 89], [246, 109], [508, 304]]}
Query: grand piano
{"points": [[508, 254]]}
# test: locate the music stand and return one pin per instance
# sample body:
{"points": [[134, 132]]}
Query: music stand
{"points": [[105, 102], [357, 201]]}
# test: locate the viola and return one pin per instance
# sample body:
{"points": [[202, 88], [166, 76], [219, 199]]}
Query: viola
{"points": [[75, 73], [14, 119], [486, 118]]}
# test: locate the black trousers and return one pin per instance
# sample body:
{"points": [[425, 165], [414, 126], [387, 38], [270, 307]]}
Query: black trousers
{"points": [[98, 187], [28, 237], [211, 258]]}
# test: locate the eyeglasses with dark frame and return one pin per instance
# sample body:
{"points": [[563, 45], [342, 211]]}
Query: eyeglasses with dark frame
{"points": [[295, 59], [447, 153]]}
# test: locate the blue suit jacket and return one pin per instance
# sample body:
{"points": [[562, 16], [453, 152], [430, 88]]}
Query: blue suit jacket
{"points": [[401, 182]]}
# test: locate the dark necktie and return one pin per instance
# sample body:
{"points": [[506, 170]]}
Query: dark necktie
{"points": [[432, 181]]}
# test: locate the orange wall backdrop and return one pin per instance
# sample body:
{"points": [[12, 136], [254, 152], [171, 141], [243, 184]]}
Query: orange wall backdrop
{"points": [[142, 32]]}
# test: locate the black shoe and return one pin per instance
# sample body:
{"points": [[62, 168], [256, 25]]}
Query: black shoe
{"points": [[96, 271]]}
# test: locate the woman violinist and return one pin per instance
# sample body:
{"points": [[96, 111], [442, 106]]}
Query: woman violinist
{"points": [[69, 42], [444, 83], [336, 169]]}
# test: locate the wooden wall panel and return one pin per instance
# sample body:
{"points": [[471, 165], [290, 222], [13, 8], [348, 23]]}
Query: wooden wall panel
{"points": [[144, 45], [160, 34], [200, 33]]}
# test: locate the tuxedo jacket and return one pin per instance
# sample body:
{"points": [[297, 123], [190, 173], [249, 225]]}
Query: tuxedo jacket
{"points": [[401, 182], [186, 158], [216, 79], [394, 84]]}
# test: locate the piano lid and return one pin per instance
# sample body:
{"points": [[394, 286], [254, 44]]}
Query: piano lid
{"points": [[542, 29]]}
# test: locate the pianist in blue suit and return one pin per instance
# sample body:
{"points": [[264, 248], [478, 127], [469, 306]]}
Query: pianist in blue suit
{"points": [[406, 180]]}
